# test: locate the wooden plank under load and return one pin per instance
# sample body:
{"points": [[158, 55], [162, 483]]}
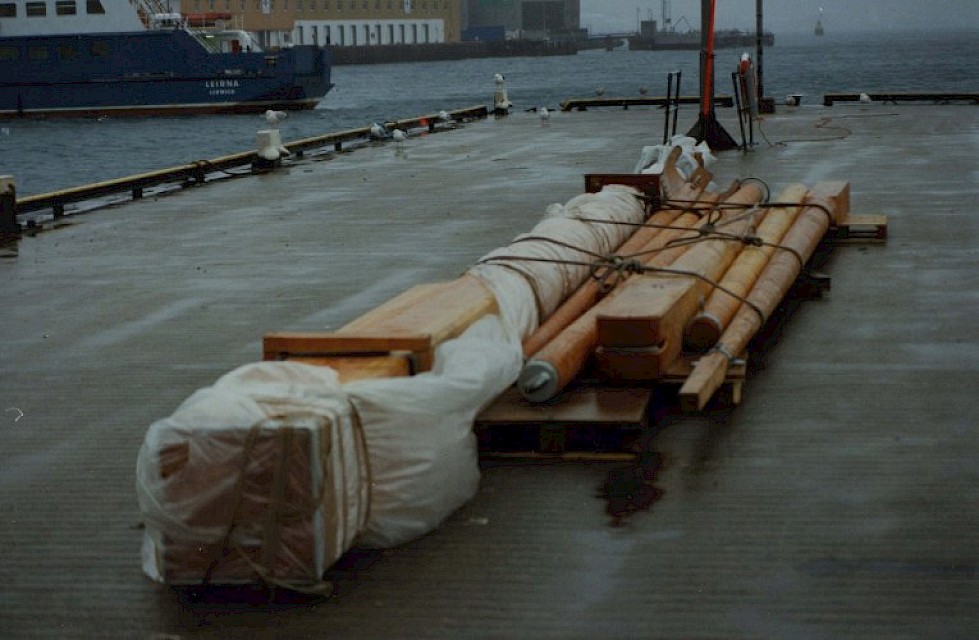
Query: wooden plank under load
{"points": [[826, 203], [398, 338], [640, 332]]}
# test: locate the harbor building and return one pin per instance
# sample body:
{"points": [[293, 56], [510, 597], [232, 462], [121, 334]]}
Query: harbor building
{"points": [[521, 19], [337, 22], [349, 23]]}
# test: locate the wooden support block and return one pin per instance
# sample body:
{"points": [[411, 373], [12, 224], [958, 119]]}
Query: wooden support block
{"points": [[836, 195], [293, 345], [354, 357], [683, 366], [640, 330], [647, 183], [631, 363]]}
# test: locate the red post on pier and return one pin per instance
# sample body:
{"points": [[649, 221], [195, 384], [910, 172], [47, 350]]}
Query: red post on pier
{"points": [[707, 127]]}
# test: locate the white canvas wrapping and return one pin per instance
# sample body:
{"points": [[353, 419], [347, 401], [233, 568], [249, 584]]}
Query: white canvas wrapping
{"points": [[423, 453], [212, 424], [591, 225]]}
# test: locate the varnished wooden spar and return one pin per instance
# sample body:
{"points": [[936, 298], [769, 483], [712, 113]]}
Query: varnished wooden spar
{"points": [[706, 327], [828, 203], [590, 291], [638, 244], [567, 349], [563, 358], [641, 332]]}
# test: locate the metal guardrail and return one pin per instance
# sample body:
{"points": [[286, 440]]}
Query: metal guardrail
{"points": [[936, 97], [196, 172], [582, 104]]}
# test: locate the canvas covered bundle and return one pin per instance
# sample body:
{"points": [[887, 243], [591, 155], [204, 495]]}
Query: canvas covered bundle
{"points": [[262, 475], [277, 469]]}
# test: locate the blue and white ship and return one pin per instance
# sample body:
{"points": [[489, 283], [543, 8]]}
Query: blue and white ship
{"points": [[115, 57]]}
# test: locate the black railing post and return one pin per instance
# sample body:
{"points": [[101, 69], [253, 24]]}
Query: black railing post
{"points": [[9, 229]]}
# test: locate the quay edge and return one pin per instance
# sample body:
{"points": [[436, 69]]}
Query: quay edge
{"points": [[839, 500]]}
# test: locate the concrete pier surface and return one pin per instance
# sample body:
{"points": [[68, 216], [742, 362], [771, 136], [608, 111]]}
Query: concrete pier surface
{"points": [[841, 499]]}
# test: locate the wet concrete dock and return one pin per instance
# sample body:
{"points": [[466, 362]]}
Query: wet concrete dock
{"points": [[840, 500]]}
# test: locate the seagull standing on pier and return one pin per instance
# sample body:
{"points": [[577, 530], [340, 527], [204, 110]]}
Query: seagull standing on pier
{"points": [[399, 141], [545, 116]]}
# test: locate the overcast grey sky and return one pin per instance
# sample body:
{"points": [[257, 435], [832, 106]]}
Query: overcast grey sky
{"points": [[784, 16]]}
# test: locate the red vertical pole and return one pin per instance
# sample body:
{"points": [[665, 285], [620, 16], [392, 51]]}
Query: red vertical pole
{"points": [[707, 101]]}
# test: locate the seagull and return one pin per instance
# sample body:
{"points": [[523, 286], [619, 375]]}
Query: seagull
{"points": [[444, 116], [273, 118], [498, 78], [864, 98], [643, 91], [545, 116], [600, 91], [399, 141], [378, 132]]}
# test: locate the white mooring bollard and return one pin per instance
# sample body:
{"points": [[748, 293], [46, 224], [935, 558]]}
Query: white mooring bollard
{"points": [[501, 103], [269, 143]]}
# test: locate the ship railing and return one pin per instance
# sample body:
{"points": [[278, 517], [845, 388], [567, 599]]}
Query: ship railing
{"points": [[196, 173]]}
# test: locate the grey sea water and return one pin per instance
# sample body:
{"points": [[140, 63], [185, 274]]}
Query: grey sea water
{"points": [[49, 154]]}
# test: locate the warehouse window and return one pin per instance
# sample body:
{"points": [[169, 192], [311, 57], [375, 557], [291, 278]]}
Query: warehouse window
{"points": [[8, 10], [36, 9], [9, 54], [94, 7]]}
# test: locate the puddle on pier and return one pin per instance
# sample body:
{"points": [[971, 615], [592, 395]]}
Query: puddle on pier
{"points": [[633, 488]]}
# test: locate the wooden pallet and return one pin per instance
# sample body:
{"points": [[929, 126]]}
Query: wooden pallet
{"points": [[585, 421], [590, 420]]}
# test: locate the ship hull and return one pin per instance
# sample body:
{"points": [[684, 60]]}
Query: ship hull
{"points": [[154, 72]]}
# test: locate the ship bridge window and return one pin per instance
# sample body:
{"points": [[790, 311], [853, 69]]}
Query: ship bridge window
{"points": [[36, 9], [94, 7], [65, 8], [9, 54], [8, 10]]}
